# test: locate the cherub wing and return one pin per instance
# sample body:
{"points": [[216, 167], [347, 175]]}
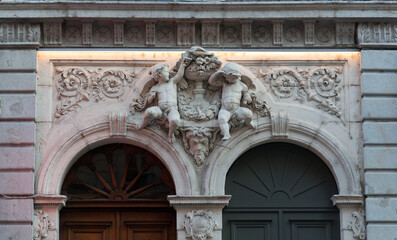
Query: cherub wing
{"points": [[140, 102], [217, 79]]}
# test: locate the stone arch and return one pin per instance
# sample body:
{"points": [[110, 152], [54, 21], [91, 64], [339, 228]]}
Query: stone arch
{"points": [[322, 143], [58, 159]]}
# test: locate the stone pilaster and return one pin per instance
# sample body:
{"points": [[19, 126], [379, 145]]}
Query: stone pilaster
{"points": [[352, 217], [46, 216], [199, 217]]}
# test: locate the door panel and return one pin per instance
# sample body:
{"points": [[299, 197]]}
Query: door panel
{"points": [[118, 224], [281, 192]]}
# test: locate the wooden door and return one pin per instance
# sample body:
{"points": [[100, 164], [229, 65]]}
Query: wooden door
{"points": [[280, 192], [118, 223], [118, 192]]}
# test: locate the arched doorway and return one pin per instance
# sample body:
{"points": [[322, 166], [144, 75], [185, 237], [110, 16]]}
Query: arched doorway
{"points": [[118, 191], [280, 192]]}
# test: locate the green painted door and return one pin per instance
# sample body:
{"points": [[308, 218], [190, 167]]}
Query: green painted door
{"points": [[280, 192]]}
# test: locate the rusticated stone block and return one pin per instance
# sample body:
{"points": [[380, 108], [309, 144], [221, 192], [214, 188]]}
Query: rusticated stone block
{"points": [[16, 210], [16, 157], [17, 132], [381, 231], [380, 157], [18, 60], [17, 82], [380, 132], [18, 106], [372, 110], [379, 183], [16, 183], [379, 84], [379, 59], [381, 209], [16, 232]]}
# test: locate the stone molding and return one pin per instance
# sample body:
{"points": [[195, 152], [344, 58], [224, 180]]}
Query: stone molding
{"points": [[57, 201], [198, 201], [348, 201]]}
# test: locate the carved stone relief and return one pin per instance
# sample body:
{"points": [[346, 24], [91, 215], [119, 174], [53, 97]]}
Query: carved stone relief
{"points": [[293, 34], [87, 32], [345, 33], [357, 224], [230, 34], [309, 32], [198, 100], [246, 33], [210, 33], [72, 35], [103, 35], [321, 85], [118, 32], [78, 85], [278, 33], [186, 34], [199, 225], [150, 33], [16, 33], [134, 35], [41, 225], [262, 34], [53, 33], [377, 33]]}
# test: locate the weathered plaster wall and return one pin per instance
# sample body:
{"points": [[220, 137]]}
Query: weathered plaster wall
{"points": [[379, 109]]}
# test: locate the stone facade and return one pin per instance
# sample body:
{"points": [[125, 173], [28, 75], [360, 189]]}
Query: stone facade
{"points": [[56, 104]]}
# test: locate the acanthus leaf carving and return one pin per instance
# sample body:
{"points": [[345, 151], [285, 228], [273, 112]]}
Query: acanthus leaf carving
{"points": [[199, 225], [357, 224], [42, 224]]}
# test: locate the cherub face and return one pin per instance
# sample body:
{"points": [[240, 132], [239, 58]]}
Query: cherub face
{"points": [[232, 77], [163, 75]]}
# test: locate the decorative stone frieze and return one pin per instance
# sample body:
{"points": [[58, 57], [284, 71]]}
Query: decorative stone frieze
{"points": [[371, 34], [278, 33], [87, 32], [52, 33], [345, 33], [210, 33], [150, 33], [246, 34], [119, 33], [309, 32], [186, 33], [19, 34]]}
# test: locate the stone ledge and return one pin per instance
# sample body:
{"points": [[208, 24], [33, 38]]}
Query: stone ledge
{"points": [[191, 201]]}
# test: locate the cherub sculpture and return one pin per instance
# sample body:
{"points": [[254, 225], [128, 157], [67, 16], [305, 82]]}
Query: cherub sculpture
{"points": [[165, 90], [234, 92]]}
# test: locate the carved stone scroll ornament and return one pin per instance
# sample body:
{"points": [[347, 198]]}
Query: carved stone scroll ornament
{"points": [[320, 85], [77, 85], [357, 224], [41, 225], [199, 225]]}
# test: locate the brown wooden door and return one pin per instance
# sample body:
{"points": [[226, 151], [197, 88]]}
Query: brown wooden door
{"points": [[117, 223]]}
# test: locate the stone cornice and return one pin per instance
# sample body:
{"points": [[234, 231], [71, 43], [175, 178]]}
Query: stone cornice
{"points": [[197, 201], [357, 10]]}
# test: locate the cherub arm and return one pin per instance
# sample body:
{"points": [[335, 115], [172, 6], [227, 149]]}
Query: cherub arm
{"points": [[151, 96], [181, 71], [246, 94]]}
